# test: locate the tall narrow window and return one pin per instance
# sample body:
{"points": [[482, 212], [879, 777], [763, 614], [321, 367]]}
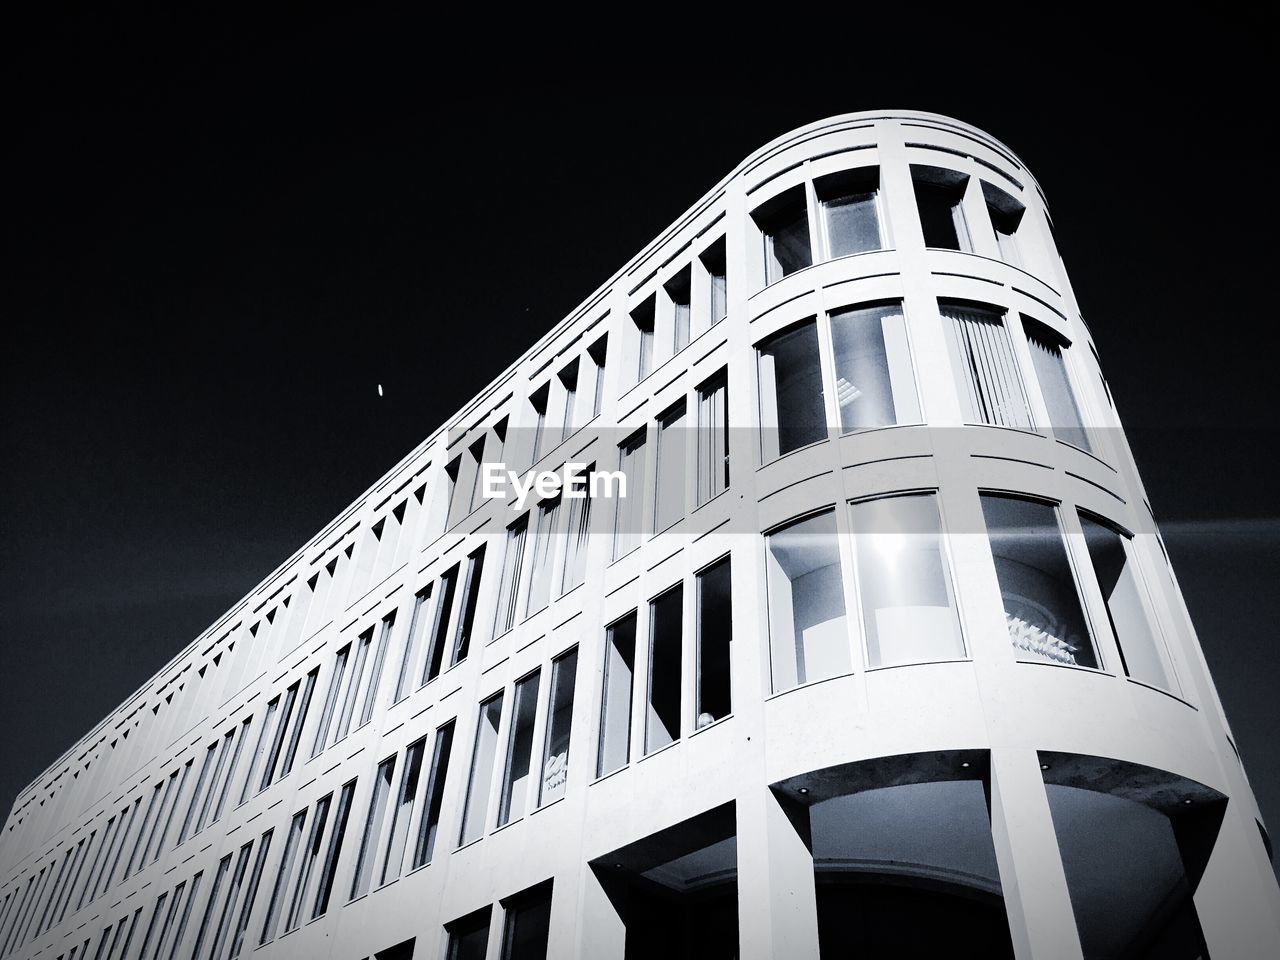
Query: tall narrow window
{"points": [[469, 936], [555, 753], [615, 708], [1006, 216], [406, 796], [276, 903], [940, 200], [359, 661], [850, 210], [784, 226], [224, 867], [538, 401], [278, 737], [713, 262], [325, 885], [662, 722], [678, 293], [250, 896], [875, 386], [452, 476], [668, 494], [197, 794], [904, 584], [1047, 349], [573, 569], [310, 855], [232, 767], [183, 916], [373, 827], [142, 837], [538, 593], [1041, 604], [440, 624], [792, 410], [375, 670], [643, 317], [429, 825], [417, 624], [713, 438], [984, 367], [597, 352], [630, 508], [330, 702], [569, 381], [476, 806], [515, 780], [475, 452], [1142, 650], [210, 794], [528, 924], [304, 704], [808, 634], [715, 638], [153, 927], [509, 587], [467, 608], [229, 904], [173, 808]]}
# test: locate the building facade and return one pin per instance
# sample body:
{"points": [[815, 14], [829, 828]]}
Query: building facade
{"points": [[878, 652]]}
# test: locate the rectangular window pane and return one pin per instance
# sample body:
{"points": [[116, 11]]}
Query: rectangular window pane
{"points": [[483, 755], [939, 198], [509, 587], [538, 594], [469, 937], [808, 634], [792, 413], [569, 381], [538, 401], [330, 703], [573, 570], [615, 710], [197, 794], [232, 767], [373, 827], [515, 781], [1142, 649], [417, 624], [183, 917], [984, 366], [406, 796], [355, 679], [668, 503], [875, 386], [219, 878], [325, 886], [597, 353], [713, 261], [277, 738], [528, 925], [1055, 386], [677, 290], [715, 638], [713, 438], [434, 797], [173, 808], [250, 895], [555, 753], [643, 317], [276, 903], [440, 624], [467, 609], [310, 854], [1041, 605], [662, 722], [904, 584], [229, 904], [375, 668], [630, 510], [850, 209], [304, 704], [784, 226]]}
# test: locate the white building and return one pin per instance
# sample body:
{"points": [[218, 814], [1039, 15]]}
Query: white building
{"points": [[881, 654]]}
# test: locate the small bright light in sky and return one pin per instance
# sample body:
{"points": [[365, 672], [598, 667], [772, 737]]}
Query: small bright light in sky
{"points": [[379, 389]]}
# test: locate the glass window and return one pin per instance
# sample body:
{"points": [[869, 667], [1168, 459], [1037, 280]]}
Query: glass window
{"points": [[615, 708], [715, 636], [784, 225], [476, 453], [512, 561], [277, 737], [1047, 359], [569, 381], [1142, 650], [330, 704], [538, 594], [662, 721], [630, 510], [538, 400], [528, 924], [850, 210], [250, 896], [643, 317], [417, 623], [469, 937], [668, 494], [229, 904], [374, 681], [224, 867], [476, 806], [677, 290], [1041, 605], [311, 853], [875, 386], [713, 438], [373, 826], [1006, 216], [440, 624], [555, 753], [190, 821], [573, 570], [984, 367], [940, 200], [291, 750], [792, 414], [429, 825], [515, 781], [713, 262], [355, 678], [470, 600], [325, 886], [597, 352], [904, 584], [406, 797], [808, 637]]}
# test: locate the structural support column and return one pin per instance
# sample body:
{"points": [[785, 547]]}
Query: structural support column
{"points": [[777, 905], [1036, 898]]}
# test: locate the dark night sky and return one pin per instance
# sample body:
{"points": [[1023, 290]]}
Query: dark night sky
{"points": [[219, 237]]}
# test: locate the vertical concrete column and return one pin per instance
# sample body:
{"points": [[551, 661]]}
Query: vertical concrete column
{"points": [[602, 929], [777, 904], [1036, 898]]}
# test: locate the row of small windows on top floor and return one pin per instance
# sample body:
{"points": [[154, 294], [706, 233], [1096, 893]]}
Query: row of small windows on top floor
{"points": [[843, 213]]}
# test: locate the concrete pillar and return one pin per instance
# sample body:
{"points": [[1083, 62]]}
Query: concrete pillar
{"points": [[777, 904], [602, 930]]}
